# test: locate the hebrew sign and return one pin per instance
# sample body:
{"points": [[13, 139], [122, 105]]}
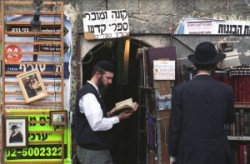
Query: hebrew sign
{"points": [[197, 26], [105, 24], [44, 140]]}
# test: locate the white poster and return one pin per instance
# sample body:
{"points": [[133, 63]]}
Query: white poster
{"points": [[164, 69], [200, 26], [105, 24]]}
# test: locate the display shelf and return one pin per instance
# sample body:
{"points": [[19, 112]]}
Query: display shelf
{"points": [[48, 41], [239, 138], [242, 105]]}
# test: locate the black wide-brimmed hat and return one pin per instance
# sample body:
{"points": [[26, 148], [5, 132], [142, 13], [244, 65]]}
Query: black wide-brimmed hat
{"points": [[205, 53], [14, 127]]}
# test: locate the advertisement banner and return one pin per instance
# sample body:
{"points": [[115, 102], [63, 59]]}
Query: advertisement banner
{"points": [[45, 141], [198, 26], [20, 49], [26, 62]]}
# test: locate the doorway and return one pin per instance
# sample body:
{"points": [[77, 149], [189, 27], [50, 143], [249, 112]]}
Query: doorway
{"points": [[125, 134]]}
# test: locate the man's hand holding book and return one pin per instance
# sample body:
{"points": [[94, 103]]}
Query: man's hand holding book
{"points": [[124, 109]]}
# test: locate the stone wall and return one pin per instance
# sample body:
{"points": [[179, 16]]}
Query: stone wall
{"points": [[158, 16], [147, 18]]}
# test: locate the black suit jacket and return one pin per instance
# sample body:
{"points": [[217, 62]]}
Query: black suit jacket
{"points": [[200, 108]]}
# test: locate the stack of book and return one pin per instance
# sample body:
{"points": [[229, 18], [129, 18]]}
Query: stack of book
{"points": [[241, 127], [239, 78]]}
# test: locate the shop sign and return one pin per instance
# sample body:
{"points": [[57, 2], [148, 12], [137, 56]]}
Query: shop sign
{"points": [[52, 34], [20, 68], [105, 24], [44, 28], [43, 138], [205, 26]]}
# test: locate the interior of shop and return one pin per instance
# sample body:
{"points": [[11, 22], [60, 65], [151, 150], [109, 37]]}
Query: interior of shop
{"points": [[125, 134]]}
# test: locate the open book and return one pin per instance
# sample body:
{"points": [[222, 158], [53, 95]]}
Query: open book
{"points": [[125, 105]]}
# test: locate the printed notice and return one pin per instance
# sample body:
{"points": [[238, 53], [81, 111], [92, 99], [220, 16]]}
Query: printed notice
{"points": [[105, 24], [164, 69]]}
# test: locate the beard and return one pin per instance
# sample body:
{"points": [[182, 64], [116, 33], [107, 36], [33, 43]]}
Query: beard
{"points": [[102, 88]]}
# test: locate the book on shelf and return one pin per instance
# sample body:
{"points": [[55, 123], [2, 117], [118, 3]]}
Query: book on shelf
{"points": [[222, 76], [241, 127], [241, 122], [237, 123], [238, 79], [125, 105]]}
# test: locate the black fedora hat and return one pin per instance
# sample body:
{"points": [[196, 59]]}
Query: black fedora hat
{"points": [[205, 53], [14, 127]]}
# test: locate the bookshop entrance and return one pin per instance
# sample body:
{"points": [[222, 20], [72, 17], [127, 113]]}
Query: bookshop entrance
{"points": [[124, 85]]}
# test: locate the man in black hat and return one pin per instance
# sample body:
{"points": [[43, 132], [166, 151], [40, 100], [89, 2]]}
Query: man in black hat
{"points": [[92, 120], [200, 108], [16, 135]]}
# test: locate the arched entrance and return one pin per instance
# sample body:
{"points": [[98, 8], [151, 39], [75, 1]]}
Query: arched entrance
{"points": [[125, 134]]}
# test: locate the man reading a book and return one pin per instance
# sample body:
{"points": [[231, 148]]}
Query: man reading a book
{"points": [[93, 122], [199, 110]]}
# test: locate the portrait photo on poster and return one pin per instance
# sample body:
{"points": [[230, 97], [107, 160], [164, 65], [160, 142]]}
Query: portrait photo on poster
{"points": [[58, 117], [32, 85], [16, 132]]}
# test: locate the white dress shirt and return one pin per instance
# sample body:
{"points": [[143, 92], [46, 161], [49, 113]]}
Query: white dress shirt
{"points": [[90, 106]]}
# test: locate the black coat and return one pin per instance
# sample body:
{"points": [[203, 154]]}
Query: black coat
{"points": [[16, 138], [200, 108]]}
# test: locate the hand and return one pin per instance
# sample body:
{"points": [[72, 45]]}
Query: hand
{"points": [[135, 106], [112, 110], [124, 115], [172, 160], [110, 113]]}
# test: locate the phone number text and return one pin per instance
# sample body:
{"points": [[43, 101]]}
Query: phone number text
{"points": [[36, 152]]}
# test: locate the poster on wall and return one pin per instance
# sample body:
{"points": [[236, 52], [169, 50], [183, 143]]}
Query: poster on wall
{"points": [[16, 132], [30, 48], [163, 101], [32, 85], [197, 26], [44, 140], [164, 69], [18, 57]]}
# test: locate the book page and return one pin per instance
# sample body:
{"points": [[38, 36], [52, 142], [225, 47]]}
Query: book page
{"points": [[124, 103]]}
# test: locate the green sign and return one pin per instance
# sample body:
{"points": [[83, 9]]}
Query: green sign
{"points": [[44, 140]]}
